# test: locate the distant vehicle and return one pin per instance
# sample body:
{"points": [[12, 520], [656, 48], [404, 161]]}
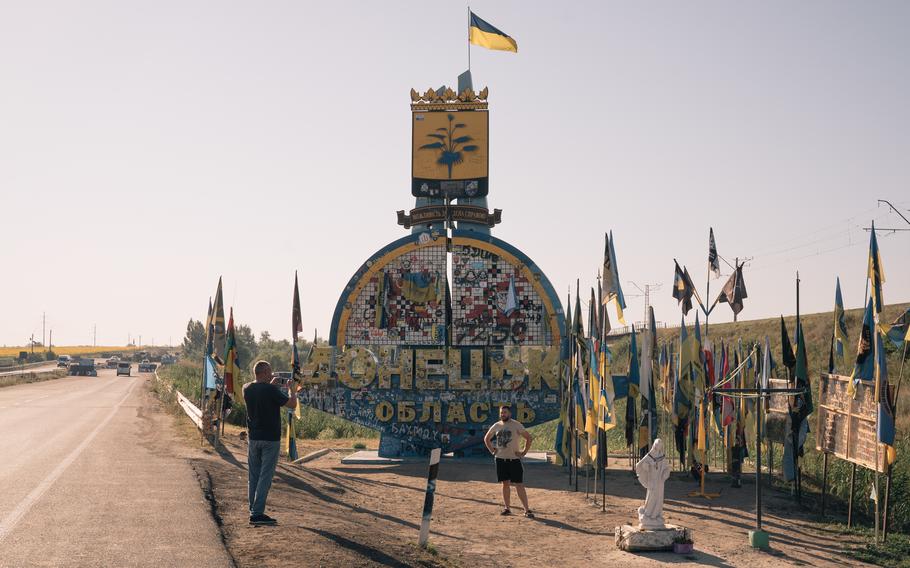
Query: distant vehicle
{"points": [[168, 359], [146, 366], [112, 362], [64, 361], [82, 368], [123, 368]]}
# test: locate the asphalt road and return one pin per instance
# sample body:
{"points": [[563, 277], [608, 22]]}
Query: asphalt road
{"points": [[90, 478]]}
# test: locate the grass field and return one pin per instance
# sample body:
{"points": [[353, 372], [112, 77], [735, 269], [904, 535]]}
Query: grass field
{"points": [[75, 350]]}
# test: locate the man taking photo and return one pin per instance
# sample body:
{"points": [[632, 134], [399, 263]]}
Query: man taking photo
{"points": [[508, 457], [264, 401]]}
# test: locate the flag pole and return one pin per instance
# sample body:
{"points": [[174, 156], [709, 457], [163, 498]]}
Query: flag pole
{"points": [[469, 38]]}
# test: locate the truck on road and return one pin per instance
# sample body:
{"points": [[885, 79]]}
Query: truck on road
{"points": [[145, 366], [82, 368]]}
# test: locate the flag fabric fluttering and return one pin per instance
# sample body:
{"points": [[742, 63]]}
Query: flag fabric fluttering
{"points": [[840, 327], [683, 288], [610, 286], [876, 272], [734, 291], [485, 35], [210, 375], [209, 335], [864, 365], [218, 330], [788, 358], [231, 359], [648, 422], [885, 397], [296, 329], [713, 258], [634, 385]]}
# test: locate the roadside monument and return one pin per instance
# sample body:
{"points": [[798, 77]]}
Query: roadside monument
{"points": [[438, 328]]}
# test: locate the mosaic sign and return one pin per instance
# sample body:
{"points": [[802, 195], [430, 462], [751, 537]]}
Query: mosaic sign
{"points": [[846, 424], [438, 329]]}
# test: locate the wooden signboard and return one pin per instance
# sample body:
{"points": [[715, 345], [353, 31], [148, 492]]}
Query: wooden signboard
{"points": [[776, 419], [846, 425]]}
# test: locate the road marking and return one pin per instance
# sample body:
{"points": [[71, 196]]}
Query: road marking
{"points": [[31, 400], [11, 520]]}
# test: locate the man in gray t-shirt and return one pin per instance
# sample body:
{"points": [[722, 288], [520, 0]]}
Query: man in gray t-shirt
{"points": [[509, 471]]}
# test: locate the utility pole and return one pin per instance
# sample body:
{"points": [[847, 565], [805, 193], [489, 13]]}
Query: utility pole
{"points": [[50, 340], [43, 326], [647, 294]]}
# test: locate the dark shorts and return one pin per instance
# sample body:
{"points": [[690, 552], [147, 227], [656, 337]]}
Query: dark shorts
{"points": [[509, 470]]}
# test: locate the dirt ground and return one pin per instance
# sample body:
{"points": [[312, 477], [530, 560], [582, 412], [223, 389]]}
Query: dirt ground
{"points": [[332, 514]]}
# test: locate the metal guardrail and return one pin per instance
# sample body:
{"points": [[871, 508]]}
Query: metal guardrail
{"points": [[191, 409], [24, 366]]}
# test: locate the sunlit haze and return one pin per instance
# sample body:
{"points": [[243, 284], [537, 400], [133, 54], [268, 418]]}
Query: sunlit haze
{"points": [[148, 148]]}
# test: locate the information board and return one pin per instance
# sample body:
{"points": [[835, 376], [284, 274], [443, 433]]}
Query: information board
{"points": [[846, 424]]}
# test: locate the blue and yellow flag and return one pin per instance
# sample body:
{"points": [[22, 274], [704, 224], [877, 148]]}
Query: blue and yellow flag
{"points": [[485, 35], [885, 430], [840, 325], [864, 366], [876, 272]]}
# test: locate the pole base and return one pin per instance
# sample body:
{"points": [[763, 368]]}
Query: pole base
{"points": [[758, 539]]}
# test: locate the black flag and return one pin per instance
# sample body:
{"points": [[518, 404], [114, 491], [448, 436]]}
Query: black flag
{"points": [[734, 291]]}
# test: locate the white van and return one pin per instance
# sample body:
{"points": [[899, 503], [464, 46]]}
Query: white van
{"points": [[123, 368]]}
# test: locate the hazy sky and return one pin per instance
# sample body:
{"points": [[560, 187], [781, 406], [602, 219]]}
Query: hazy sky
{"points": [[148, 147]]}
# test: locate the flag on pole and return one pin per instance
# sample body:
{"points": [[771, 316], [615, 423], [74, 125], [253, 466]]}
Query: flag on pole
{"points": [[611, 287], [209, 335], [886, 430], [648, 423], [713, 259], [296, 329], [840, 326], [209, 373], [734, 291], [606, 413], [864, 366], [787, 356], [218, 330], [801, 375], [231, 360], [683, 288], [876, 272], [485, 35]]}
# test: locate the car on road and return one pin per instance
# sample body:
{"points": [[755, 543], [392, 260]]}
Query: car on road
{"points": [[64, 361], [123, 368], [112, 362], [146, 366], [82, 368]]}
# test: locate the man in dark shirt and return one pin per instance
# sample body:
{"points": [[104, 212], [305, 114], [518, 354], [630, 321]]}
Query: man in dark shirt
{"points": [[264, 401]]}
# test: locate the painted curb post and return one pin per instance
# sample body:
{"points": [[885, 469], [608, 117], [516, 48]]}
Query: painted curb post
{"points": [[435, 454]]}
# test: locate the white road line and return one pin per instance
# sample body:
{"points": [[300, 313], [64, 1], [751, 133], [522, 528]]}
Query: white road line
{"points": [[12, 519], [31, 400]]}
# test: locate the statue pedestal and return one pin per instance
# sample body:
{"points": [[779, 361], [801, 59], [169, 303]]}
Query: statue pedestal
{"points": [[634, 539]]}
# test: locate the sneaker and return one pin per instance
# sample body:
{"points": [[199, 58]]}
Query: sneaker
{"points": [[262, 520], [529, 514], [505, 512]]}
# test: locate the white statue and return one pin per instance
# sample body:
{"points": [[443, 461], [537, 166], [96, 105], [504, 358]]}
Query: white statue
{"points": [[653, 470]]}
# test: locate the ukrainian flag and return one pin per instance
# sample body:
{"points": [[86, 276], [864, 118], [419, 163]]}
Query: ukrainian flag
{"points": [[483, 34]]}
